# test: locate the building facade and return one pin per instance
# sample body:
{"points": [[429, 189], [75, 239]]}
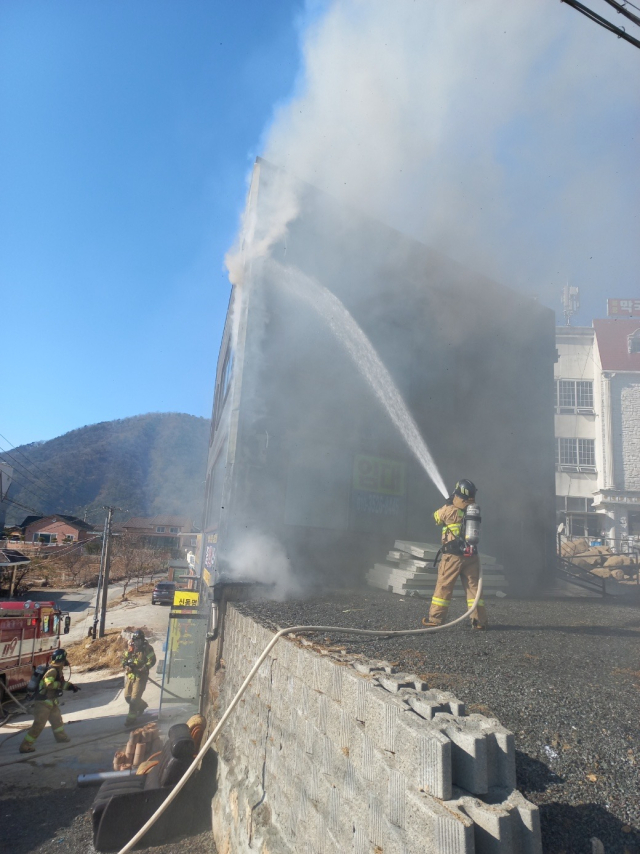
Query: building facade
{"points": [[597, 429], [306, 466]]}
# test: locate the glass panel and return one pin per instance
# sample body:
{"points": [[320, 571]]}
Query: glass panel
{"points": [[568, 452], [586, 452], [560, 503], [584, 394], [567, 393], [576, 505]]}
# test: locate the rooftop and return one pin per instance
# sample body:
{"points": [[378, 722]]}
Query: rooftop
{"points": [[612, 336]]}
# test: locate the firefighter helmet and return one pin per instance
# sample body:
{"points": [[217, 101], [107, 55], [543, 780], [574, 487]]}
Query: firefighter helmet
{"points": [[465, 489], [138, 635], [59, 656]]}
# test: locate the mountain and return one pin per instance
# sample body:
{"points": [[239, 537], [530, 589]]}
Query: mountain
{"points": [[148, 464]]}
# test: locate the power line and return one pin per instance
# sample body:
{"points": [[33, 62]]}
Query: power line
{"points": [[24, 472], [620, 9], [33, 463], [593, 16]]}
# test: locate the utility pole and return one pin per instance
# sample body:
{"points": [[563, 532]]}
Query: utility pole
{"points": [[100, 612]]}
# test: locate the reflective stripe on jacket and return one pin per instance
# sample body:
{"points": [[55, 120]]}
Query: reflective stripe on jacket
{"points": [[451, 518], [50, 684]]}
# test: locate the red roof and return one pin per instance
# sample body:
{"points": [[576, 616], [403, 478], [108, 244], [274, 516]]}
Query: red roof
{"points": [[612, 336]]}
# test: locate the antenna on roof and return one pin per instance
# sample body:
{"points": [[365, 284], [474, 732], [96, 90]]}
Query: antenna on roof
{"points": [[570, 302]]}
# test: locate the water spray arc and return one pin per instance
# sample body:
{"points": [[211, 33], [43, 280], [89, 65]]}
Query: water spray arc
{"points": [[364, 356]]}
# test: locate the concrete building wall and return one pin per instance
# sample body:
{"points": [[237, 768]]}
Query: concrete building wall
{"points": [[300, 421], [325, 755]]}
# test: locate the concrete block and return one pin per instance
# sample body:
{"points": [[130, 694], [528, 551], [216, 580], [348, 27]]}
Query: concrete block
{"points": [[382, 713], [501, 751], [429, 702], [396, 798], [394, 682], [526, 825], [354, 691], [469, 753], [493, 826], [424, 755], [437, 828]]}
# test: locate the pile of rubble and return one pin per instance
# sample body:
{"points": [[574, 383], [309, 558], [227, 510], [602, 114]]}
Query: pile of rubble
{"points": [[599, 560], [409, 571]]}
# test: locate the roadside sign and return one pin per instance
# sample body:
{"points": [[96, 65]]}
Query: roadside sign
{"points": [[186, 597]]}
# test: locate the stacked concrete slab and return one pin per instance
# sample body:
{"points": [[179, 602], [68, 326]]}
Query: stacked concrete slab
{"points": [[327, 755], [409, 571]]}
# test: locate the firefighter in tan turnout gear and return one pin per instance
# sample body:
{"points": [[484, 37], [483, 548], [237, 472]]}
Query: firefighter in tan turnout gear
{"points": [[46, 706], [457, 559], [137, 662]]}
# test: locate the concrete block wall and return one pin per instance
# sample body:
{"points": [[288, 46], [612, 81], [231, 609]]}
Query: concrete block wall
{"points": [[325, 755]]}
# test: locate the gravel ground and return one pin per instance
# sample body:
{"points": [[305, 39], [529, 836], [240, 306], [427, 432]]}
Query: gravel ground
{"points": [[564, 676], [50, 821]]}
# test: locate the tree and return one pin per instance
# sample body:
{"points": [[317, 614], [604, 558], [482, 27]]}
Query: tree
{"points": [[132, 560]]}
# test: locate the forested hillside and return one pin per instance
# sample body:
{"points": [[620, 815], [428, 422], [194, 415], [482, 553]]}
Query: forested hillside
{"points": [[147, 464]]}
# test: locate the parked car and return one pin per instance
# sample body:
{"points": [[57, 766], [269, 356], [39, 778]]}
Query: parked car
{"points": [[163, 593]]}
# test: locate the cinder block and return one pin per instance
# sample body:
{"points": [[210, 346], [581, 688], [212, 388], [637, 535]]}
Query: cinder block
{"points": [[396, 681], [469, 753], [493, 826], [424, 755], [396, 790], [354, 689], [437, 828], [526, 825], [501, 751], [382, 713]]}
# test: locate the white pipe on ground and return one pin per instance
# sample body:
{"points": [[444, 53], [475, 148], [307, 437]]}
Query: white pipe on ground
{"points": [[298, 630]]}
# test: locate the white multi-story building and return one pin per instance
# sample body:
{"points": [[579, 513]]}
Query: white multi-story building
{"points": [[597, 428]]}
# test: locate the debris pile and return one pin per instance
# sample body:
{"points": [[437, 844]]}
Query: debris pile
{"points": [[142, 745], [409, 571], [599, 560]]}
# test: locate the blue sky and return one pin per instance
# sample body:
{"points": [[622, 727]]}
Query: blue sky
{"points": [[127, 130], [505, 135]]}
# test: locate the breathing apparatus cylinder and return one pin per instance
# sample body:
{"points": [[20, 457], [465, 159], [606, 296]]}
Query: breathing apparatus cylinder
{"points": [[472, 521]]}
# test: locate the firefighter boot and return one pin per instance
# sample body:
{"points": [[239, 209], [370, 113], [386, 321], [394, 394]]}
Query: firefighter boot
{"points": [[27, 747], [61, 737]]}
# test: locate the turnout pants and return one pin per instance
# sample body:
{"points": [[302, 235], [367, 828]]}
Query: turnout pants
{"points": [[133, 691], [43, 711], [452, 566]]}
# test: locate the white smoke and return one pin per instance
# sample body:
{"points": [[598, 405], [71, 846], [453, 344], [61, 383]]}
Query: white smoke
{"points": [[500, 133], [261, 558]]}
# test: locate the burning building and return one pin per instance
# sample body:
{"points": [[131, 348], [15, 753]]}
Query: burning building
{"points": [[306, 467]]}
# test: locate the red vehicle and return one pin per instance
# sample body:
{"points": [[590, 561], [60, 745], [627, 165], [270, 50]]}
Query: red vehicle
{"points": [[29, 633]]}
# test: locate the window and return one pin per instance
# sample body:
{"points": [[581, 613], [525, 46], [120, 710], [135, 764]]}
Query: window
{"points": [[44, 537], [576, 453], [174, 530], [160, 529], [584, 394], [572, 395], [633, 342], [224, 382]]}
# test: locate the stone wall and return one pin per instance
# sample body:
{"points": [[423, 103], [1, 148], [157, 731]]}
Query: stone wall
{"points": [[327, 754]]}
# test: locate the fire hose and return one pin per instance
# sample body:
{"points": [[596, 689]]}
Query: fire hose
{"points": [[234, 702]]}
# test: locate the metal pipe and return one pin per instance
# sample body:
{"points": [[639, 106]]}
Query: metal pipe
{"points": [[298, 630], [86, 780]]}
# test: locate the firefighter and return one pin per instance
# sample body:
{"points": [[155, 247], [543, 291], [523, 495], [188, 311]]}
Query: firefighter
{"points": [[137, 662], [454, 562], [46, 706]]}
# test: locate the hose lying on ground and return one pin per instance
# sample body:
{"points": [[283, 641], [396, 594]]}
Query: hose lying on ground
{"points": [[298, 630]]}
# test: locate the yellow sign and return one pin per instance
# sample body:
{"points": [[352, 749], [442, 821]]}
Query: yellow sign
{"points": [[186, 597]]}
